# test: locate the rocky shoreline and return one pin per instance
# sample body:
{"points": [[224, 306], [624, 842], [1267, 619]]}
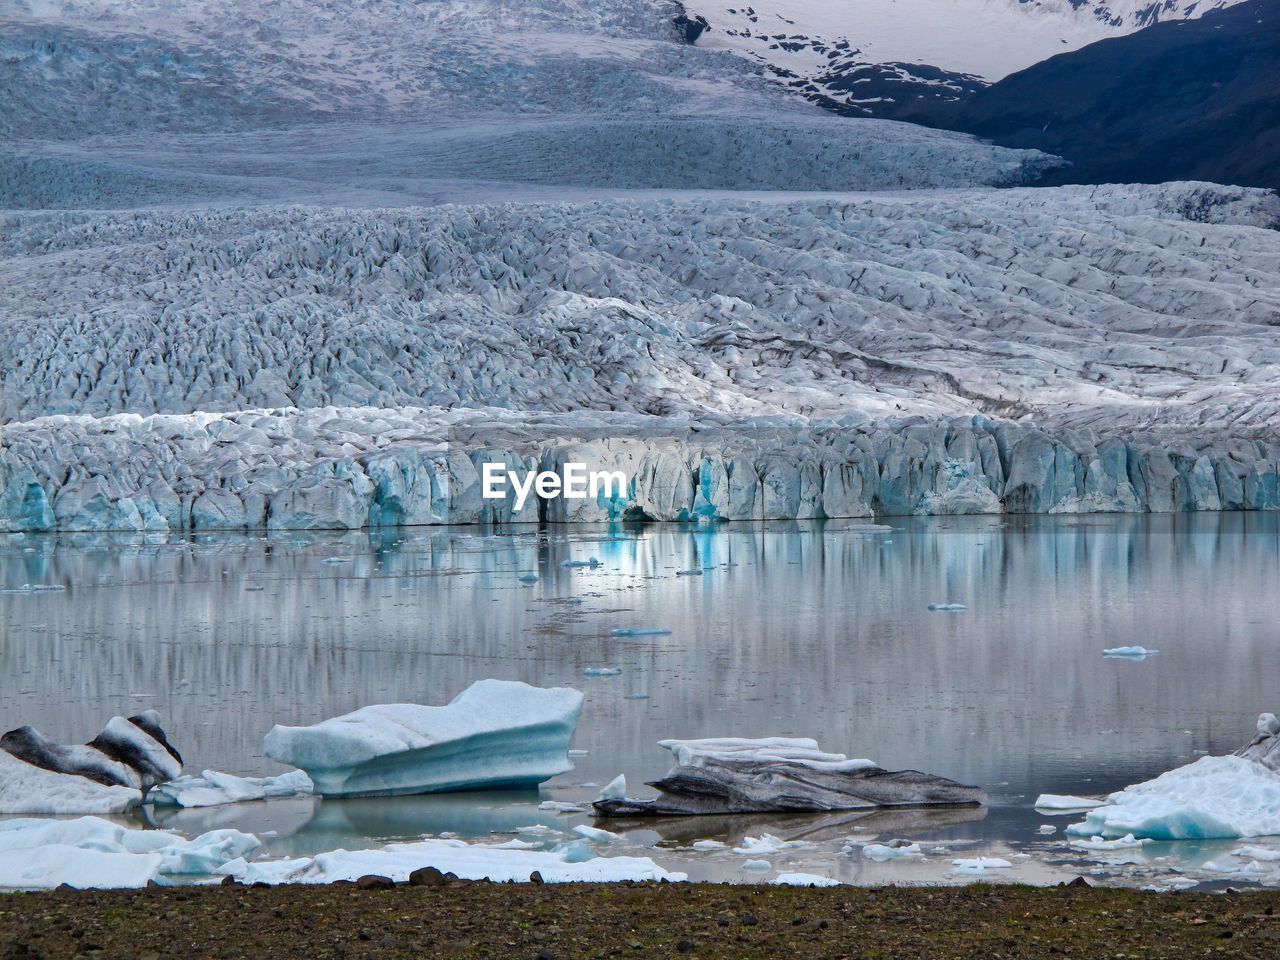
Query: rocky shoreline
{"points": [[565, 921]]}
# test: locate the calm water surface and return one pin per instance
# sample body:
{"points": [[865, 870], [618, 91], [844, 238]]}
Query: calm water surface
{"points": [[818, 630]]}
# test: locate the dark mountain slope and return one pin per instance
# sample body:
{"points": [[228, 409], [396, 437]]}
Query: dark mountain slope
{"points": [[1189, 100]]}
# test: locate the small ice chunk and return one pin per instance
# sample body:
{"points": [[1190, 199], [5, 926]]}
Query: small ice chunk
{"points": [[336, 560], [1046, 829], [766, 843], [895, 850], [529, 578], [757, 865], [1129, 653], [595, 834], [947, 607], [696, 572], [579, 753], [615, 789], [601, 671], [1099, 844], [639, 632], [1257, 853], [708, 845], [573, 564], [978, 865], [1056, 801], [561, 806]]}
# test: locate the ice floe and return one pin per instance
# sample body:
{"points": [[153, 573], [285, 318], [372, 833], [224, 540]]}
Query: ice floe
{"points": [[1129, 653], [496, 733]]}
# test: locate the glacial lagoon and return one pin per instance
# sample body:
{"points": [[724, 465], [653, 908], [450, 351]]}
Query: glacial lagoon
{"points": [[818, 629]]}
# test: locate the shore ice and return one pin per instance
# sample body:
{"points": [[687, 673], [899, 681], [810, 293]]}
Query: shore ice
{"points": [[92, 852], [469, 861]]}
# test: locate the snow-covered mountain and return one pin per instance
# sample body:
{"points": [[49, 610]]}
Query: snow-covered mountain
{"points": [[882, 57]]}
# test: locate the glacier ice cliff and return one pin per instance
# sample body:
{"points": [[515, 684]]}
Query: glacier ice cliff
{"points": [[341, 468]]}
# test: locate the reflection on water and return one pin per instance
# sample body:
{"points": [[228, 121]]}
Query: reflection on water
{"points": [[815, 629]]}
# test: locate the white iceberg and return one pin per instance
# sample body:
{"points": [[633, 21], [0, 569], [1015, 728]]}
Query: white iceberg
{"points": [[947, 607], [468, 861], [495, 734], [213, 788], [766, 843], [1215, 797], [615, 789], [1129, 653], [601, 671], [26, 788], [92, 852], [1057, 801], [639, 632], [898, 850], [1101, 845], [595, 834], [977, 866]]}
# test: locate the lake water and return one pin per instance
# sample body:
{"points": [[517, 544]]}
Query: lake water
{"points": [[819, 629]]}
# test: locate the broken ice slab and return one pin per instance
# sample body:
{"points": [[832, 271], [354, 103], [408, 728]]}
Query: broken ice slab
{"points": [[733, 775], [495, 734]]}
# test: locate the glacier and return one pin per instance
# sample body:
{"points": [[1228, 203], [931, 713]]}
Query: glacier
{"points": [[495, 734], [1021, 351]]}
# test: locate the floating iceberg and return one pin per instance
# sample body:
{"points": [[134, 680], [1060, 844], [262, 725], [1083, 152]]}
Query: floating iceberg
{"points": [[91, 852], [977, 866], [468, 861], [1129, 653], [1055, 801], [213, 788], [496, 733], [766, 843], [947, 607], [1215, 797], [615, 789], [733, 775], [110, 774], [639, 632], [898, 850], [601, 671], [1101, 845]]}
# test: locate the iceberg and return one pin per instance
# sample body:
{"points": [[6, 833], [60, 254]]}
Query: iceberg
{"points": [[601, 671], [735, 775], [214, 788], [1129, 653], [1054, 801], [639, 632], [1212, 798], [467, 861], [1264, 748], [897, 850], [92, 852], [110, 774], [947, 607], [977, 866], [495, 734]]}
